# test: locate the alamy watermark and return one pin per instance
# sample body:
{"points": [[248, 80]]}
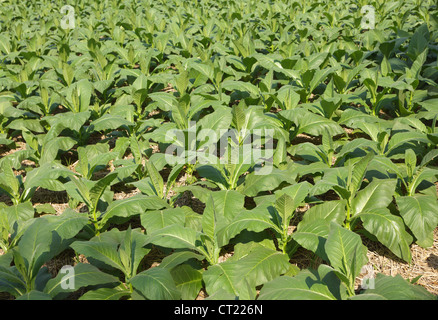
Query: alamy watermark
{"points": [[368, 281], [369, 19], [68, 281], [68, 20]]}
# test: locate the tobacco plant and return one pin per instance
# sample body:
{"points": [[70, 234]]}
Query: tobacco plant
{"points": [[170, 149]]}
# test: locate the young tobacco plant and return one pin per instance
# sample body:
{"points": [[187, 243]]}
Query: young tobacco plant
{"points": [[272, 212], [46, 176], [416, 196], [45, 237], [119, 250], [101, 207], [205, 241], [94, 194], [370, 205]]}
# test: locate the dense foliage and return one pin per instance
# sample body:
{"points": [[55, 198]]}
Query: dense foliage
{"points": [[346, 98]]}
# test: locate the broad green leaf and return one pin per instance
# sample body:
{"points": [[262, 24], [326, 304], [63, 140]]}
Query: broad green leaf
{"points": [[224, 276], [156, 284], [256, 182], [321, 284], [187, 280], [312, 236], [52, 147], [158, 219], [227, 204], [12, 281], [136, 205], [345, 251], [68, 224], [108, 122], [378, 194], [420, 214], [35, 295], [81, 275], [261, 265], [179, 257], [157, 180], [34, 247], [176, 237], [285, 208], [232, 85], [328, 211], [19, 213], [397, 288], [165, 100], [98, 189], [102, 251], [389, 229], [310, 123], [115, 293], [255, 220]]}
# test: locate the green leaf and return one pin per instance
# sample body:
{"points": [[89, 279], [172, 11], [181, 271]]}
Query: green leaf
{"points": [[17, 214], [232, 85], [359, 171], [46, 176], [345, 252], [98, 189], [68, 224], [187, 280], [285, 208], [34, 247], [156, 284], [261, 265], [82, 275], [255, 220], [159, 219], [328, 211], [12, 281], [179, 257], [312, 236], [411, 162], [298, 192], [101, 251], [321, 284], [310, 123], [136, 205], [176, 237], [420, 214], [35, 295], [209, 220], [157, 180], [115, 293], [165, 100], [52, 147], [8, 181], [108, 122], [224, 277], [397, 288], [227, 204], [255, 183], [378, 194], [389, 230]]}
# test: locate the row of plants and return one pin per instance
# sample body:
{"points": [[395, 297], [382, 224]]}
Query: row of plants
{"points": [[304, 108]]}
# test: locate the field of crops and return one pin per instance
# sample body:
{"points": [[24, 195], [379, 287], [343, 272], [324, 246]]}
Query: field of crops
{"points": [[168, 150]]}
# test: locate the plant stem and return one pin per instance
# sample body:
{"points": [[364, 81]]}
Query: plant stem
{"points": [[3, 247], [95, 223], [347, 220]]}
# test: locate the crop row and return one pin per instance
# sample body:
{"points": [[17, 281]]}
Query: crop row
{"points": [[295, 124]]}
